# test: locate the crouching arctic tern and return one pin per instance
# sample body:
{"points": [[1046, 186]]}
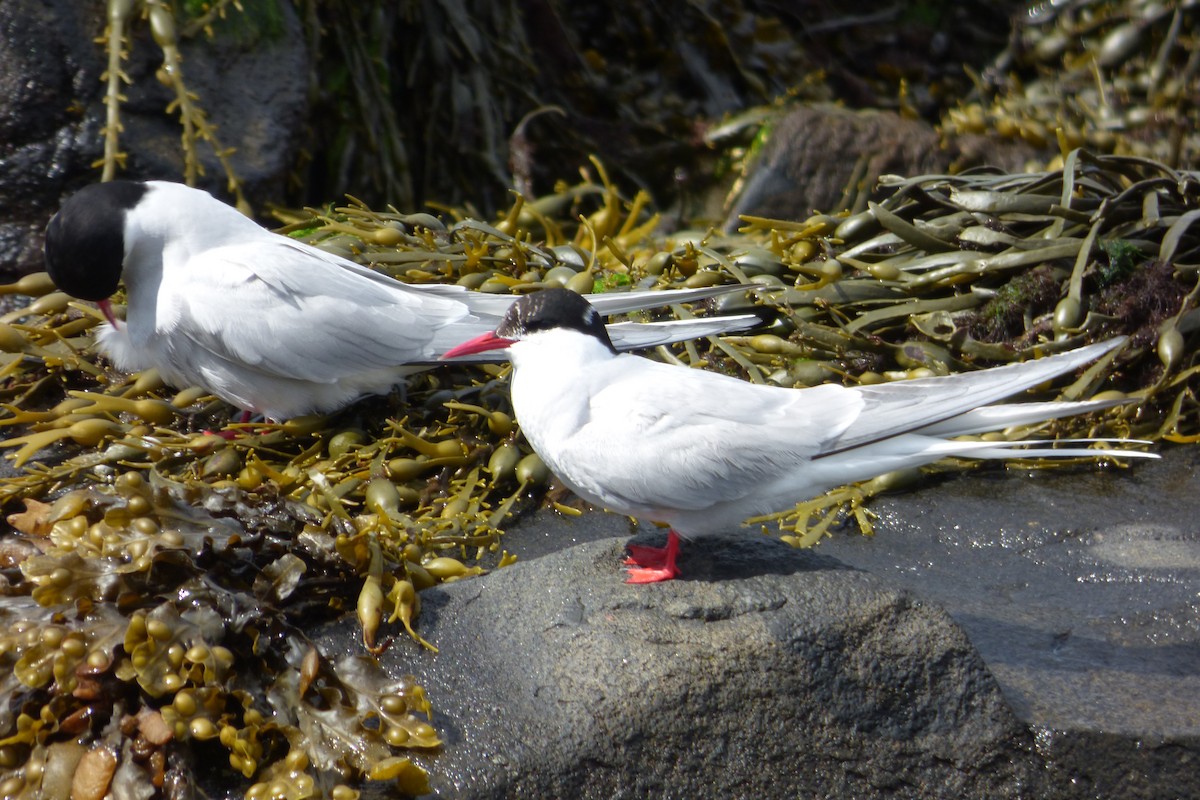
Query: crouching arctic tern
{"points": [[269, 324], [702, 451]]}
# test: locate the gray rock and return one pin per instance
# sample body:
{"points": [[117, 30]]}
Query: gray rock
{"points": [[770, 672], [1080, 589], [51, 110], [826, 158]]}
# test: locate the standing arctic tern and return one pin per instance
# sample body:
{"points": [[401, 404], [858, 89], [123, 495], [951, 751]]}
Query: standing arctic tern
{"points": [[702, 451], [269, 324]]}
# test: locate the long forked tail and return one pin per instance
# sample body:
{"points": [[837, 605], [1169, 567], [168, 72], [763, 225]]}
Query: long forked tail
{"points": [[624, 335], [607, 303], [933, 405], [640, 335], [621, 302], [1008, 415], [1037, 448]]}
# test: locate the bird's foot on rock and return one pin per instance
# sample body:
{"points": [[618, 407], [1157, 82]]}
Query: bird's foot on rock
{"points": [[651, 574], [647, 564], [641, 555]]}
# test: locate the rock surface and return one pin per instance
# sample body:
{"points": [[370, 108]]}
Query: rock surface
{"points": [[819, 158], [828, 158], [52, 111], [771, 672], [1081, 590]]}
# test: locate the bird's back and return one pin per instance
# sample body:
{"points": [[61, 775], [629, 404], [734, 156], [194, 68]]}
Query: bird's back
{"points": [[703, 451]]}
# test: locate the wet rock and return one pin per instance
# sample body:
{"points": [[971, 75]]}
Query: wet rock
{"points": [[1079, 587], [250, 83], [821, 157], [769, 673], [781, 673]]}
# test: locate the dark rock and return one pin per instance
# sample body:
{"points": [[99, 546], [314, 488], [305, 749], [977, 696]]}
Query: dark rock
{"points": [[44, 65], [253, 88], [1079, 588], [769, 673], [818, 158], [824, 158]]}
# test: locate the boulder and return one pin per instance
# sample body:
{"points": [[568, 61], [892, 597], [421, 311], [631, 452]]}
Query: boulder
{"points": [[251, 83], [770, 673], [1063, 666], [821, 157], [827, 158]]}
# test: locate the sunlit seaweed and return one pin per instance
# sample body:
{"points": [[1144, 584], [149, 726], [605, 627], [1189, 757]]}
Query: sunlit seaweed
{"points": [[1116, 77], [164, 577]]}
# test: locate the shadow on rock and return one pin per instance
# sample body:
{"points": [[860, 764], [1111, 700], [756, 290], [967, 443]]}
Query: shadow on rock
{"points": [[734, 556]]}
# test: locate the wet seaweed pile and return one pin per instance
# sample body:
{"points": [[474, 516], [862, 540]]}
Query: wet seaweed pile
{"points": [[1116, 77], [162, 577]]}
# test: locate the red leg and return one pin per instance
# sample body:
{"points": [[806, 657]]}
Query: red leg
{"points": [[653, 564]]}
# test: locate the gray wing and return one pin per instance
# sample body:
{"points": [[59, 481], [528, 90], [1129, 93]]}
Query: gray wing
{"points": [[295, 312], [893, 408]]}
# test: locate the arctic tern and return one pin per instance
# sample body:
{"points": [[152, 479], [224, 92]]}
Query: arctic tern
{"points": [[269, 324], [702, 451]]}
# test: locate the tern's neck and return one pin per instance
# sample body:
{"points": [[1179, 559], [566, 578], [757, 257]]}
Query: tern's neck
{"points": [[560, 350], [554, 376], [190, 220], [173, 224]]}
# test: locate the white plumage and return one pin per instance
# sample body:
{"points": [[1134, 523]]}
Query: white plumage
{"points": [[702, 451], [267, 323]]}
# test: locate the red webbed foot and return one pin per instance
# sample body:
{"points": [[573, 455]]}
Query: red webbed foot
{"points": [[647, 564], [641, 555]]}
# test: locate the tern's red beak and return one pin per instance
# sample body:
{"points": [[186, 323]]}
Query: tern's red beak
{"points": [[106, 307], [480, 344]]}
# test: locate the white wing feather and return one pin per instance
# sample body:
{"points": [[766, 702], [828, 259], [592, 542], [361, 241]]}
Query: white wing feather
{"points": [[327, 321], [669, 435]]}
